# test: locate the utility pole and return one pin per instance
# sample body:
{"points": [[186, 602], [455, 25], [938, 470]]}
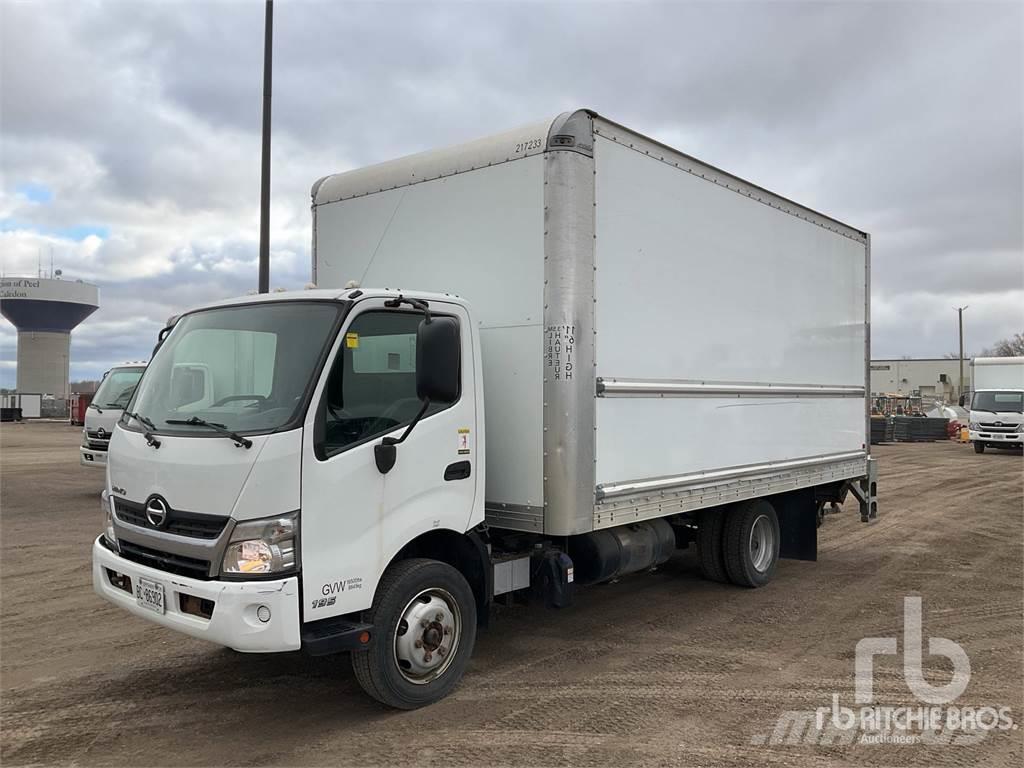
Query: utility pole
{"points": [[960, 315], [268, 49]]}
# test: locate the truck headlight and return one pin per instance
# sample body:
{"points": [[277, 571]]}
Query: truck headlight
{"points": [[974, 425], [107, 505], [1020, 427], [260, 547], [85, 439]]}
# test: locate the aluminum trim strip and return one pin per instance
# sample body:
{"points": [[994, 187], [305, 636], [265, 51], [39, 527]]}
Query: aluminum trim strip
{"points": [[626, 487], [569, 362], [663, 387], [514, 517], [640, 506], [489, 151]]}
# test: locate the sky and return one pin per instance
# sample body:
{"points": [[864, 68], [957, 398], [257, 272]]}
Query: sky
{"points": [[130, 134]]}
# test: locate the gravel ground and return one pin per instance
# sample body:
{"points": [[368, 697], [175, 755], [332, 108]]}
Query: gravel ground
{"points": [[660, 668]]}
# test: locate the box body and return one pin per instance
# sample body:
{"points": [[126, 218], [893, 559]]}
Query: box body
{"points": [[998, 373], [657, 335]]}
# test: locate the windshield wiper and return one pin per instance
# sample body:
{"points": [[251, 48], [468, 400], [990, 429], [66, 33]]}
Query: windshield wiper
{"points": [[196, 421], [98, 409], [149, 425]]}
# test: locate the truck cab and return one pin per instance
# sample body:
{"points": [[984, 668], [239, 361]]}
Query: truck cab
{"points": [[114, 392], [329, 435]]}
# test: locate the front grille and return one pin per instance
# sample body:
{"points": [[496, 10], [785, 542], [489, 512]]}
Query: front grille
{"points": [[96, 445], [994, 428], [165, 561], [95, 434], [179, 523]]}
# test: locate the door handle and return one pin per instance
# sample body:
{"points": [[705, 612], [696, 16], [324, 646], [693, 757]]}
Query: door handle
{"points": [[460, 470]]}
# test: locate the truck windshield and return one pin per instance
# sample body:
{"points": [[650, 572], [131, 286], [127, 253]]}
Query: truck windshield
{"points": [[998, 401], [117, 387], [245, 368]]}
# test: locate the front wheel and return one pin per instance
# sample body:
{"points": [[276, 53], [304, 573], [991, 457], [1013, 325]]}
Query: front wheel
{"points": [[979, 447], [424, 613]]}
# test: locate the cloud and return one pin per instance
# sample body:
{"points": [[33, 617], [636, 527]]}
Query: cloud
{"points": [[131, 133]]}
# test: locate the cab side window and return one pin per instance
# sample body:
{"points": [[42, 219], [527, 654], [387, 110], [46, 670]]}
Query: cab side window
{"points": [[371, 390]]}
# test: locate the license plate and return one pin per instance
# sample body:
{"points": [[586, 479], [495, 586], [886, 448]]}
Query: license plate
{"points": [[149, 595]]}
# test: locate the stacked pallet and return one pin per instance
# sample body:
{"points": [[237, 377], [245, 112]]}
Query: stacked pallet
{"points": [[881, 430], [919, 429]]}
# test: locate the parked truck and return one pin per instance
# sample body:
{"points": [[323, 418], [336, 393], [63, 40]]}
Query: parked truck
{"points": [[582, 351], [103, 412], [996, 403]]}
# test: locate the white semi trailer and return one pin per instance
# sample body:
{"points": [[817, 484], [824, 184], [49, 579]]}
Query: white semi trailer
{"points": [[583, 351]]}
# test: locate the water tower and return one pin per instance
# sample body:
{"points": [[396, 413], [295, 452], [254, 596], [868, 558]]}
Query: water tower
{"points": [[45, 311]]}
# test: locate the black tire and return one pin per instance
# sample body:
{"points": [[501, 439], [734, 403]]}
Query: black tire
{"points": [[378, 670], [710, 525], [979, 447], [751, 560]]}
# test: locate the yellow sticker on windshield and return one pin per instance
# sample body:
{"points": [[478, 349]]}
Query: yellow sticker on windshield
{"points": [[352, 340]]}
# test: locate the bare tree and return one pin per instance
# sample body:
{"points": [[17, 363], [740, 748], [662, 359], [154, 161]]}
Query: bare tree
{"points": [[1011, 347]]}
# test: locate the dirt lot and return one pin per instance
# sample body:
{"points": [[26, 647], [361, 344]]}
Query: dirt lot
{"points": [[660, 668]]}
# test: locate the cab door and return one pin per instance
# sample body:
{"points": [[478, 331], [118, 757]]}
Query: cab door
{"points": [[354, 518]]}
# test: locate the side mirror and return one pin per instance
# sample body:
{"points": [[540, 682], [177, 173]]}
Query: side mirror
{"points": [[963, 399], [188, 385], [438, 372], [438, 360]]}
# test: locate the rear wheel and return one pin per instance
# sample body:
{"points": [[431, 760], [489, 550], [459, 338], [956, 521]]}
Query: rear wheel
{"points": [[979, 447], [751, 543], [710, 524], [424, 614]]}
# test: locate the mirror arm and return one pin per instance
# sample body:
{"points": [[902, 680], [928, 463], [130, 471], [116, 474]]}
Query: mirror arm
{"points": [[419, 304], [385, 452], [160, 337], [413, 423]]}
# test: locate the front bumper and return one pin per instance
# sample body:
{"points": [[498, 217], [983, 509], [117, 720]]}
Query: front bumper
{"points": [[997, 438], [233, 623], [92, 458]]}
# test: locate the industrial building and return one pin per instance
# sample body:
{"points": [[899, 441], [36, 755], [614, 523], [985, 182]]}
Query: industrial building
{"points": [[45, 311], [933, 379]]}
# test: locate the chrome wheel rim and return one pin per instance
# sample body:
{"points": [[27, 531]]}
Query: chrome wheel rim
{"points": [[762, 544], [427, 636]]}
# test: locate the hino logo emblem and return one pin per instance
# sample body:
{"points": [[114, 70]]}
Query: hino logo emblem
{"points": [[101, 432], [999, 423], [156, 511]]}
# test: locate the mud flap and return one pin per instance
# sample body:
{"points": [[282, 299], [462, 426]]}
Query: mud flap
{"points": [[798, 524], [866, 490]]}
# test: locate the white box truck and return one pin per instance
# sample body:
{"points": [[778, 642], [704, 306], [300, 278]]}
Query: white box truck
{"points": [[583, 351], [107, 405], [997, 403]]}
